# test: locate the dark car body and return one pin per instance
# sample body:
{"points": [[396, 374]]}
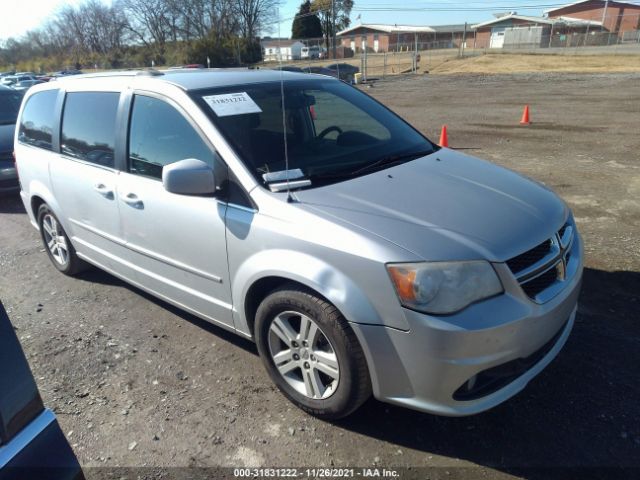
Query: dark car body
{"points": [[65, 73], [344, 71], [290, 68], [32, 444], [9, 105], [321, 71]]}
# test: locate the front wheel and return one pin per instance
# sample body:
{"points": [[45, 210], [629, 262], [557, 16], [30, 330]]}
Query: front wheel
{"points": [[311, 353]]}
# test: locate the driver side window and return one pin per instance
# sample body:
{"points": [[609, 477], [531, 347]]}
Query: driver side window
{"points": [[333, 111], [159, 135]]}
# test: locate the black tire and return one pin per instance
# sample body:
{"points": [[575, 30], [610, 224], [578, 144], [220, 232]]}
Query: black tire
{"points": [[74, 264], [354, 385]]}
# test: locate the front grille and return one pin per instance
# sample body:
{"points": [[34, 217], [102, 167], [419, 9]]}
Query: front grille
{"points": [[530, 257], [540, 283], [539, 268], [562, 230]]}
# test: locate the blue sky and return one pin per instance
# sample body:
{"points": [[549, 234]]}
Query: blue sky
{"points": [[29, 14]]}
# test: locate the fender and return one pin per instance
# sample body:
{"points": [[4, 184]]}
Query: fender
{"points": [[328, 280], [39, 189]]}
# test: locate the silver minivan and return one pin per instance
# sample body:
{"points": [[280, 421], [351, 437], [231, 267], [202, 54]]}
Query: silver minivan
{"points": [[297, 211]]}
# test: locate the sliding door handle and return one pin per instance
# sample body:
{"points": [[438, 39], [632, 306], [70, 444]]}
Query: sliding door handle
{"points": [[103, 190], [132, 200]]}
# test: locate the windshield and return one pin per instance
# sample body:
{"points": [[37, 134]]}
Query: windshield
{"points": [[333, 131], [9, 106]]}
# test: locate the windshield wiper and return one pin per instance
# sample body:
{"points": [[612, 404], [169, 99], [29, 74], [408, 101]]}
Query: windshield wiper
{"points": [[390, 160], [378, 164]]}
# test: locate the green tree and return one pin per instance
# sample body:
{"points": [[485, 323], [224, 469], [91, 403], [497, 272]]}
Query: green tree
{"points": [[306, 24], [326, 10]]}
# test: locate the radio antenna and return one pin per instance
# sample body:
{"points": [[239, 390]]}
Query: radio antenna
{"points": [[284, 115]]}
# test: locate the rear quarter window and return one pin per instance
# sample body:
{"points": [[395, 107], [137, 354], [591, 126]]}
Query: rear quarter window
{"points": [[38, 119]]}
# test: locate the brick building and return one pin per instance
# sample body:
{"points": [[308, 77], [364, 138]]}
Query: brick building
{"points": [[525, 32], [617, 17], [492, 33], [384, 38]]}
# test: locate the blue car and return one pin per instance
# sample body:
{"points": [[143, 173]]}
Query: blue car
{"points": [[32, 444]]}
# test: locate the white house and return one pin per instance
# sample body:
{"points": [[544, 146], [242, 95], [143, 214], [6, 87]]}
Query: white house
{"points": [[274, 50]]}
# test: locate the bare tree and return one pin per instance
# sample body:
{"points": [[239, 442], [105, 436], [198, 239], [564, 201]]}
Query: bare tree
{"points": [[326, 10], [255, 15], [148, 21], [135, 31]]}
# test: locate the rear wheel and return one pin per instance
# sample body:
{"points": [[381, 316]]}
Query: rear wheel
{"points": [[311, 353], [58, 246]]}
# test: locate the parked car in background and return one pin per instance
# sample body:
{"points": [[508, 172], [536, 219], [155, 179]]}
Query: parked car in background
{"points": [[32, 445], [25, 84], [65, 73], [320, 71], [10, 101], [13, 80], [184, 67], [8, 80], [366, 260], [310, 52], [345, 71], [289, 68]]}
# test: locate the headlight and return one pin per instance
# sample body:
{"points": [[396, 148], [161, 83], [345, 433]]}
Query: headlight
{"points": [[443, 287]]}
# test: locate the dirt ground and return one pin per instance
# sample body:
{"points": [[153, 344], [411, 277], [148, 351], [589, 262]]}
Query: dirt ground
{"points": [[135, 382]]}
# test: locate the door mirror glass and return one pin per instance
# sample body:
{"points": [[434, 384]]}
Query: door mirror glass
{"points": [[189, 177]]}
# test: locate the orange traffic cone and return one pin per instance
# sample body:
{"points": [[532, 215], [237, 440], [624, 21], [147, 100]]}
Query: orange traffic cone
{"points": [[444, 138], [525, 116]]}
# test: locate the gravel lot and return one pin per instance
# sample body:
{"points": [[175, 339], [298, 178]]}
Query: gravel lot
{"points": [[136, 382]]}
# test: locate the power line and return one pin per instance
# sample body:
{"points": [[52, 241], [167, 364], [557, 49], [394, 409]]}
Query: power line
{"points": [[456, 9]]}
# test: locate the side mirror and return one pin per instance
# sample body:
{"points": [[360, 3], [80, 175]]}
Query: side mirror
{"points": [[189, 177]]}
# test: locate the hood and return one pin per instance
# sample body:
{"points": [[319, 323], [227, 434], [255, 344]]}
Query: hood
{"points": [[445, 206], [6, 137]]}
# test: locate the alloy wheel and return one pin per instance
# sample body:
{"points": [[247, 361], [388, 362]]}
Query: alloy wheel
{"points": [[303, 355], [55, 239]]}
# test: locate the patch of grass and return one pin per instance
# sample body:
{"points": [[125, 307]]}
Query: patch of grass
{"points": [[525, 63]]}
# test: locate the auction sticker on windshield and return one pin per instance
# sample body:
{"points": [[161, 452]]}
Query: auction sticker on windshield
{"points": [[232, 104]]}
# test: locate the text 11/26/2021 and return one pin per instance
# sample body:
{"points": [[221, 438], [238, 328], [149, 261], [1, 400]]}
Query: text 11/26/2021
{"points": [[276, 473]]}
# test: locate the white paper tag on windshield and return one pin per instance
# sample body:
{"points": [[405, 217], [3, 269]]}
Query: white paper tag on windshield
{"points": [[232, 104], [282, 175]]}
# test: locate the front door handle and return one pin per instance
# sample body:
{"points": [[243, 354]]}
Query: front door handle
{"points": [[103, 190], [133, 200]]}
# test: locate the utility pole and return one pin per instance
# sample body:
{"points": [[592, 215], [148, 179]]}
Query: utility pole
{"points": [[333, 28], [464, 39], [415, 53], [604, 12]]}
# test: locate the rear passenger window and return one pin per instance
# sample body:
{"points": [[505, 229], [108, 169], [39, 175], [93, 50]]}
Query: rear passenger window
{"points": [[89, 126], [36, 123], [160, 135]]}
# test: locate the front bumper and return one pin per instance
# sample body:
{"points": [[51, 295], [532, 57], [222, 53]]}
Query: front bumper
{"points": [[434, 365]]}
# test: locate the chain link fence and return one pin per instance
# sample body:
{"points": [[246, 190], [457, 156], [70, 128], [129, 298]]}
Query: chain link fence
{"points": [[406, 54]]}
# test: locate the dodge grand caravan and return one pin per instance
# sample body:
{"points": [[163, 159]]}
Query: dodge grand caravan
{"points": [[299, 212]]}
